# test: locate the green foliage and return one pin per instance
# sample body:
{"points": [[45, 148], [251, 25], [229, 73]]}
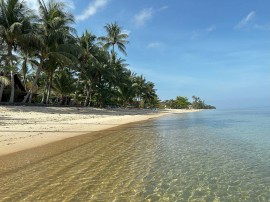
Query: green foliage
{"points": [[115, 36], [198, 103], [52, 62], [179, 103], [63, 83], [183, 103], [4, 80]]}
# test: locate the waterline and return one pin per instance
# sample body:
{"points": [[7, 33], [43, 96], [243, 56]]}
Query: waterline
{"points": [[206, 156]]}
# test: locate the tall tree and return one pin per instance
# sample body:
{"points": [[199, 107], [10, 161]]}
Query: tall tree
{"points": [[87, 44], [15, 23], [149, 95], [115, 37], [141, 83], [53, 29], [98, 76], [127, 89], [63, 85], [4, 81]]}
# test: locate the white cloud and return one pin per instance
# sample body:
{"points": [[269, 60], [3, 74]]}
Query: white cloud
{"points": [[157, 46], [163, 8], [195, 34], [154, 45], [145, 15], [126, 31], [246, 20], [211, 28], [92, 9], [33, 4], [70, 4], [263, 27]]}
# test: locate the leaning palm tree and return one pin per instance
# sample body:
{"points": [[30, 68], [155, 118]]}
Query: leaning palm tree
{"points": [[15, 23], [53, 32], [27, 59], [115, 36]]}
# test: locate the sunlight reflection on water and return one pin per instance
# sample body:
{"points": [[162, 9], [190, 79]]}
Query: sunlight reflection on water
{"points": [[206, 156]]}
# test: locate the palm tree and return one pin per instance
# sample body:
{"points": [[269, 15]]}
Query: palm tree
{"points": [[15, 23], [4, 81], [26, 57], [149, 95], [126, 86], [86, 59], [53, 31], [115, 36], [141, 83], [98, 75], [63, 85]]}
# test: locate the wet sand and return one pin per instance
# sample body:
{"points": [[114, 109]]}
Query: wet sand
{"points": [[25, 127], [79, 168], [81, 146]]}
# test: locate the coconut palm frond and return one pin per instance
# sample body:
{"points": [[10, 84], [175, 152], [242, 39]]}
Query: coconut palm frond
{"points": [[15, 26], [114, 37], [4, 80], [63, 83]]}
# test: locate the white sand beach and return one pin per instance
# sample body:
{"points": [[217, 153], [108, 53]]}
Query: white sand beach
{"points": [[25, 127]]}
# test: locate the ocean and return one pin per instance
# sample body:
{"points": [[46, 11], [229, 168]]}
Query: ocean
{"points": [[213, 155]]}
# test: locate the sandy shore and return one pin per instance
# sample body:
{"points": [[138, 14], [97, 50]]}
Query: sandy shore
{"points": [[24, 127]]}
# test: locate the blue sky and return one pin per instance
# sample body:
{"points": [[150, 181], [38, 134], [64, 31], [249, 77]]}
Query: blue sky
{"points": [[217, 50]]}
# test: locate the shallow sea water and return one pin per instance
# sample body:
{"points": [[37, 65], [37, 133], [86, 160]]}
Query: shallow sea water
{"points": [[205, 156]]}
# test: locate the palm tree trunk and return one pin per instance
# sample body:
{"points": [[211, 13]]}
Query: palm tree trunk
{"points": [[49, 89], [1, 91], [62, 100], [24, 66], [66, 100], [44, 91], [12, 84], [90, 95], [24, 82], [90, 99], [48, 93], [30, 97], [34, 83], [87, 97], [76, 91]]}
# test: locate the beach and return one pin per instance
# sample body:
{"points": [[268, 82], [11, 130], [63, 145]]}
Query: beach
{"points": [[215, 155], [26, 127]]}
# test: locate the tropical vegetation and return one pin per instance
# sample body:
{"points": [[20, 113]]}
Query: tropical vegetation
{"points": [[198, 103], [183, 103], [56, 66]]}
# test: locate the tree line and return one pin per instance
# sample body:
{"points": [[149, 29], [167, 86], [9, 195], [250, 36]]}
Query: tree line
{"points": [[183, 103], [55, 65]]}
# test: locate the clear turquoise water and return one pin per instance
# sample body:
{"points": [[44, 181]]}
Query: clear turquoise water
{"points": [[219, 155]]}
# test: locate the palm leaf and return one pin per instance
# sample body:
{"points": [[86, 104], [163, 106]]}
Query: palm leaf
{"points": [[4, 80]]}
